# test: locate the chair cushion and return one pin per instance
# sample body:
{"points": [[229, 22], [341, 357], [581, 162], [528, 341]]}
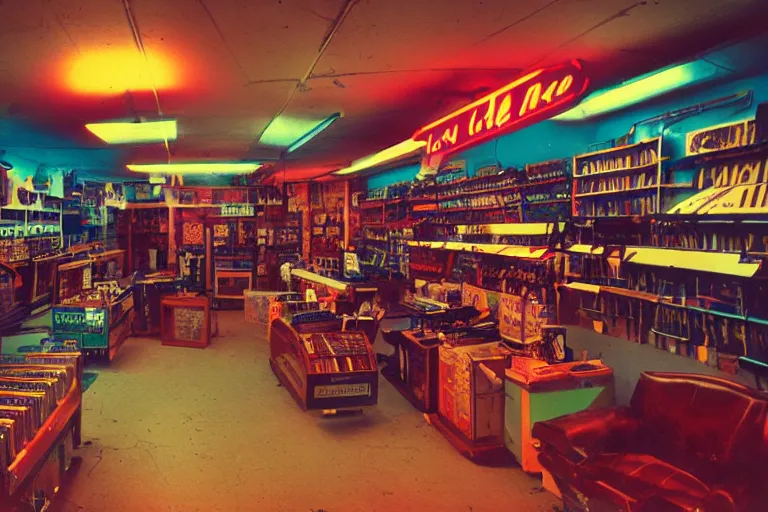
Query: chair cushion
{"points": [[634, 478], [701, 423]]}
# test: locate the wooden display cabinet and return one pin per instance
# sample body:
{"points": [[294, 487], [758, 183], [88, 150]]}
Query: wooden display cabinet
{"points": [[471, 399], [346, 377], [232, 284], [185, 321], [415, 370]]}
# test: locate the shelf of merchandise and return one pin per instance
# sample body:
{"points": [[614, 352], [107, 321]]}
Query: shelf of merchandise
{"points": [[512, 251], [642, 160]]}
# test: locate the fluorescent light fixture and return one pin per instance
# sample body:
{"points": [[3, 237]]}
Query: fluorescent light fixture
{"points": [[284, 130], [640, 89], [385, 155], [196, 168], [134, 133], [313, 132]]}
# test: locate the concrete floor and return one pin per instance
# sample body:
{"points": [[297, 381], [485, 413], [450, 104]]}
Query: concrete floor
{"points": [[176, 429]]}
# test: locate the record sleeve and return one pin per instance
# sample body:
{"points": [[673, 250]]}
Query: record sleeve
{"points": [[15, 440], [23, 418], [32, 399]]}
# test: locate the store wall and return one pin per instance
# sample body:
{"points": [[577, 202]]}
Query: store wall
{"points": [[399, 175], [629, 360]]}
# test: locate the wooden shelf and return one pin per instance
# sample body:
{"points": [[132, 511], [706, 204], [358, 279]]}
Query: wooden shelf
{"points": [[549, 201], [473, 209], [608, 192], [618, 149], [623, 170], [505, 189]]}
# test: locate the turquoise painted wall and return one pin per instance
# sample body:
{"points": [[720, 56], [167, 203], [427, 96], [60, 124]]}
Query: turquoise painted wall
{"points": [[399, 175]]}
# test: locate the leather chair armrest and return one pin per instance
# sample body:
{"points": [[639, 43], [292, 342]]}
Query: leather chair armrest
{"points": [[585, 433], [743, 495]]}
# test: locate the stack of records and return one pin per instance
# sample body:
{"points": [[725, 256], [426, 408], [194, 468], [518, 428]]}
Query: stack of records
{"points": [[31, 386], [336, 352]]}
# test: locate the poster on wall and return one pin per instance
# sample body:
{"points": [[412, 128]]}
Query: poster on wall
{"points": [[327, 215]]}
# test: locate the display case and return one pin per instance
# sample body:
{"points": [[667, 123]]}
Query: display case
{"points": [[99, 322], [471, 399], [414, 369], [323, 367], [185, 321], [346, 295], [232, 284]]}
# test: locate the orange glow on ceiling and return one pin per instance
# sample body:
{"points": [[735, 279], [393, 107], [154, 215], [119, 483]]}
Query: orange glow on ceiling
{"points": [[116, 70]]}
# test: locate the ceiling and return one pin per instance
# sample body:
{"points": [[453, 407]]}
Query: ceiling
{"points": [[226, 68]]}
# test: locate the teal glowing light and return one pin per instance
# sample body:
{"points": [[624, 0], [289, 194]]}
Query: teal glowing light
{"points": [[640, 89], [293, 132], [313, 132]]}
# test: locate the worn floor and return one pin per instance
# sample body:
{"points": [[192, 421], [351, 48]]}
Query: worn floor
{"points": [[176, 429]]}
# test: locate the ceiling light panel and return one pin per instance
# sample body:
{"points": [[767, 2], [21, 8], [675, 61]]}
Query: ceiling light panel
{"points": [[134, 133]]}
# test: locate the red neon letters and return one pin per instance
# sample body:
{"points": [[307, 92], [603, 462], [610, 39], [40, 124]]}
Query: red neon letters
{"points": [[532, 98]]}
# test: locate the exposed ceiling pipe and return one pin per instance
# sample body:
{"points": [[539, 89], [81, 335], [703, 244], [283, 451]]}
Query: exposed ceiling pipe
{"points": [[332, 30], [140, 46]]}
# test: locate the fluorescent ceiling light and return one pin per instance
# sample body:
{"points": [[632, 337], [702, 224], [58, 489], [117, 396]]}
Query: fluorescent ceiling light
{"points": [[640, 89], [284, 130], [133, 133], [196, 168], [386, 155], [313, 132]]}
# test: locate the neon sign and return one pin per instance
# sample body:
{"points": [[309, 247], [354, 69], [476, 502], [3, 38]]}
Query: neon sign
{"points": [[19, 231], [532, 98]]}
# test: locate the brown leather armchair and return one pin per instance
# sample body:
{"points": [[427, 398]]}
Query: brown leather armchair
{"points": [[687, 442]]}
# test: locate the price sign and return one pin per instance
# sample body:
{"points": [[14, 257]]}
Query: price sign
{"points": [[530, 99]]}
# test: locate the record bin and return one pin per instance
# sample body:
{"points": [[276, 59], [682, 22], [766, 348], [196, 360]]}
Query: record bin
{"points": [[323, 367]]}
